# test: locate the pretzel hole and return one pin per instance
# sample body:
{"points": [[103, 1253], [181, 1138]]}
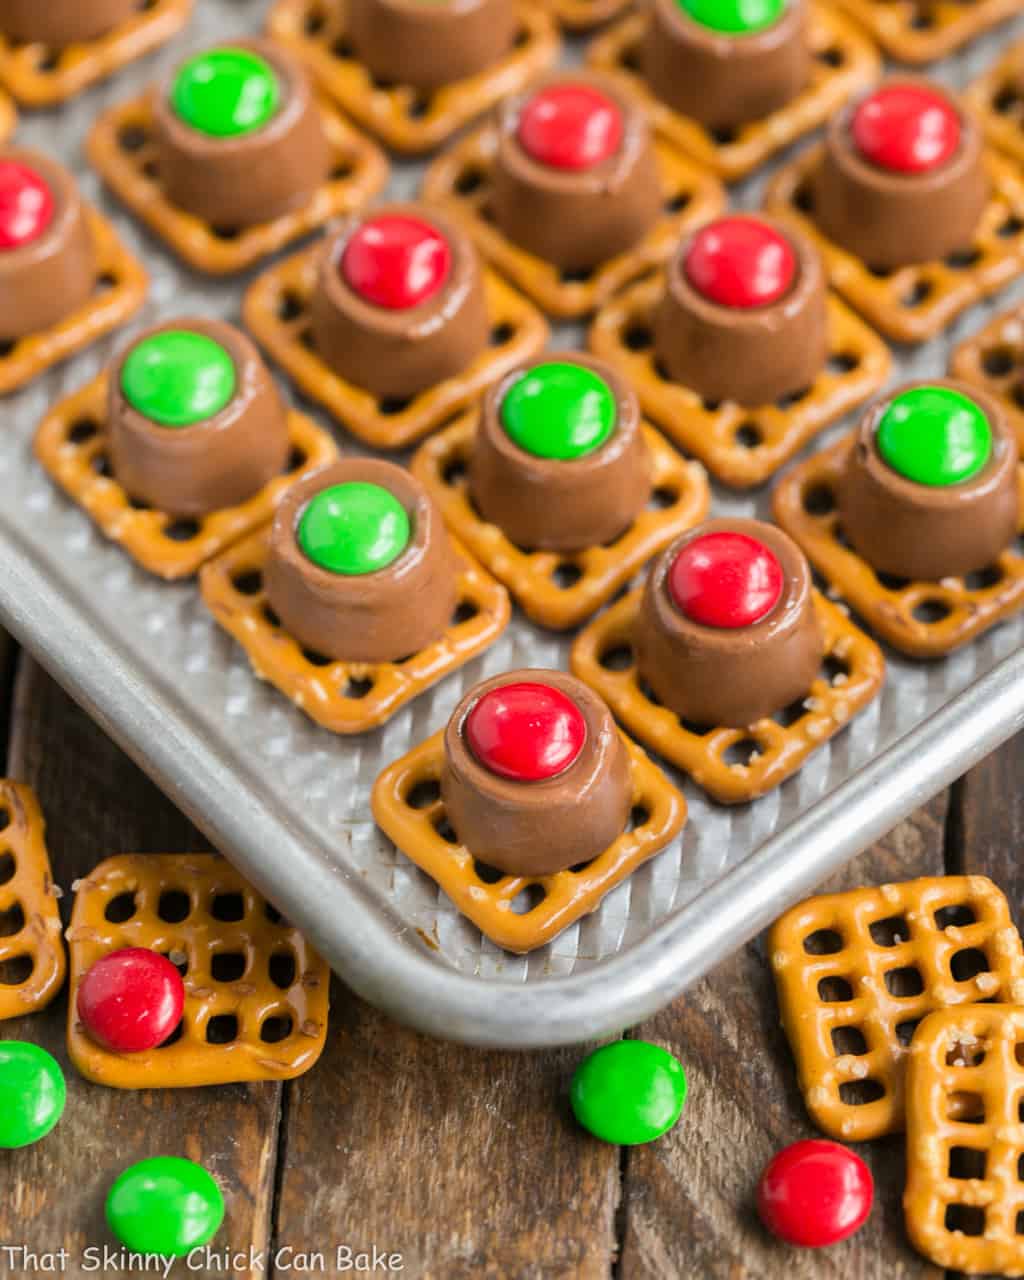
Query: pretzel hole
{"points": [[469, 180], [963, 259], [12, 921], [272, 914], [248, 583], [834, 990], [282, 969], [5, 819], [858, 1093], [744, 752], [465, 611], [638, 337], [227, 966], [566, 574], [1018, 1223], [842, 362], [423, 794], [833, 56], [965, 1219], [182, 530], [174, 906], [997, 362], [891, 582], [528, 899], [1005, 100], [502, 334], [342, 49], [81, 430], [748, 435], [226, 233], [121, 908], [790, 715], [803, 198], [7, 868], [316, 659], [819, 500], [918, 293], [391, 406], [314, 22], [179, 959], [967, 964], [965, 1053], [639, 816], [358, 687], [931, 611], [905, 1031], [984, 579], [678, 202], [445, 830], [619, 658], [1018, 1053], [791, 398], [101, 465], [880, 273], [965, 1108], [711, 406], [957, 915], [904, 983], [576, 275], [848, 1040], [1017, 395], [290, 305], [174, 1037], [132, 137], [16, 970], [724, 136], [966, 1163], [1011, 226], [270, 617], [663, 497], [228, 907], [1020, 1168], [276, 1028], [889, 932], [823, 942], [222, 1029], [487, 874], [835, 671], [922, 20]]}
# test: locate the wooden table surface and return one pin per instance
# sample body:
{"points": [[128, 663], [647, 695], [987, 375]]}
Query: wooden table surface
{"points": [[466, 1163]]}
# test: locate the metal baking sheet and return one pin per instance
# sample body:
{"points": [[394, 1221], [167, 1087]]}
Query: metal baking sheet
{"points": [[289, 803]]}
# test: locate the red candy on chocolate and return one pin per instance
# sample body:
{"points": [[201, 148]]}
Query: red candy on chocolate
{"points": [[740, 262], [26, 205], [131, 1000], [906, 128], [725, 580], [396, 262], [526, 732], [570, 126], [815, 1193]]}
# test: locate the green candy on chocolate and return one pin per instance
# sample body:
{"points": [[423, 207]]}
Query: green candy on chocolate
{"points": [[354, 528], [32, 1094], [734, 17], [178, 378], [934, 436], [559, 410], [226, 93], [165, 1205], [628, 1092]]}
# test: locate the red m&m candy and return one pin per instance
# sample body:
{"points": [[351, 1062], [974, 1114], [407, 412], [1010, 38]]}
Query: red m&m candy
{"points": [[740, 262], [131, 1000], [526, 732], [396, 261], [906, 128], [26, 205], [570, 126], [815, 1193], [725, 580]]}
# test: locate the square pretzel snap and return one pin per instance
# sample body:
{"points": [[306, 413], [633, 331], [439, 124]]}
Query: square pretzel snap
{"points": [[121, 148], [276, 311], [731, 765], [920, 31], [408, 808], [42, 77], [913, 304], [585, 15], [558, 589], [843, 63], [32, 962], [72, 445], [405, 118], [256, 993], [857, 971], [346, 697], [120, 291], [920, 619], [964, 1199], [993, 360], [997, 100], [740, 446], [460, 181]]}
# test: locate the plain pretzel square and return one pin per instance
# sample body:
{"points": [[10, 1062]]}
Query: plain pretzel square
{"points": [[41, 77], [32, 961], [964, 1198], [857, 971], [561, 590], [915, 303], [72, 443], [740, 446], [276, 311], [732, 765], [263, 1019], [993, 360], [997, 100], [122, 149], [346, 697], [408, 808], [460, 181], [405, 118], [844, 63], [120, 291], [920, 619], [920, 31]]}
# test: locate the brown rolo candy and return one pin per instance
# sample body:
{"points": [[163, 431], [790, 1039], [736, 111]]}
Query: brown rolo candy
{"points": [[890, 220], [731, 676], [554, 504], [576, 219], [372, 617], [750, 355], [59, 23], [239, 182], [219, 462], [48, 278], [539, 828], [930, 532], [399, 354], [723, 80], [407, 42]]}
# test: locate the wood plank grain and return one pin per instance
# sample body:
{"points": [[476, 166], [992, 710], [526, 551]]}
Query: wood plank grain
{"points": [[987, 822], [97, 804], [688, 1200]]}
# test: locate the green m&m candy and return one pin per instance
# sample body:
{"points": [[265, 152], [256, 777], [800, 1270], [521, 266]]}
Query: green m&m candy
{"points": [[226, 93], [934, 436], [734, 17], [177, 378], [628, 1092], [32, 1093], [559, 410], [165, 1205], [354, 528]]}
